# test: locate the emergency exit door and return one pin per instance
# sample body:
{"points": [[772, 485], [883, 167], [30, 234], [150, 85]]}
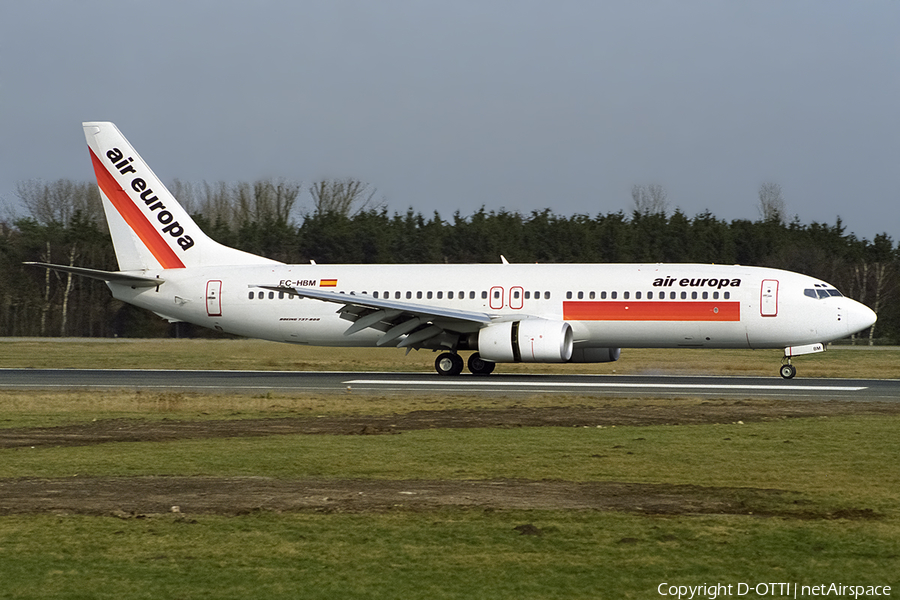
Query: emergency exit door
{"points": [[214, 298], [768, 298]]}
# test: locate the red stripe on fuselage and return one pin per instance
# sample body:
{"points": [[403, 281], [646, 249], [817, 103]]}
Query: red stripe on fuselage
{"points": [[651, 311], [136, 219]]}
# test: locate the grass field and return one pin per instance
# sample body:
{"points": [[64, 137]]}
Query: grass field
{"points": [[820, 496], [839, 361]]}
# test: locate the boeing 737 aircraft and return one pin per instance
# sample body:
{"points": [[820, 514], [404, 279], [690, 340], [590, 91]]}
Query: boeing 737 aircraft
{"points": [[532, 313]]}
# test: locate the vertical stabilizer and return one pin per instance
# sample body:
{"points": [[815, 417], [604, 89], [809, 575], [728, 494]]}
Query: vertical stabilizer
{"points": [[149, 228]]}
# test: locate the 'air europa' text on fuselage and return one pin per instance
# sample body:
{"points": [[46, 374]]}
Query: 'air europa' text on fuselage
{"points": [[690, 282]]}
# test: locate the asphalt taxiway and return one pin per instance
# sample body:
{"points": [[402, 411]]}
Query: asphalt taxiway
{"points": [[496, 384]]}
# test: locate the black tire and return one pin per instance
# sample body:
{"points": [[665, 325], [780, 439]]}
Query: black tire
{"points": [[788, 371], [449, 363], [479, 366]]}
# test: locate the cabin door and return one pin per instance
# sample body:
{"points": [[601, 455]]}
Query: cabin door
{"points": [[768, 298], [214, 298]]}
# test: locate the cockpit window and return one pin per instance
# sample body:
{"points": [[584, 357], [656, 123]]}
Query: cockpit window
{"points": [[821, 292]]}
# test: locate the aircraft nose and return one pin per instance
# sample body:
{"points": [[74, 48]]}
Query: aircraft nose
{"points": [[859, 317]]}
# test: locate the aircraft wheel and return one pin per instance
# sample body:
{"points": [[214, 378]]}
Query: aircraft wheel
{"points": [[479, 366], [788, 371], [449, 363]]}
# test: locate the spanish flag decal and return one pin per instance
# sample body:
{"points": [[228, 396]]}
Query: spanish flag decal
{"points": [[328, 283]]}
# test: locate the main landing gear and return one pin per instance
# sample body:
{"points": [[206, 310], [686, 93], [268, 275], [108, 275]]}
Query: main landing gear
{"points": [[451, 363]]}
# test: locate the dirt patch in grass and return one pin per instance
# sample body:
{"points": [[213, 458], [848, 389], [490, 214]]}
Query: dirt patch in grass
{"points": [[714, 411], [142, 497]]}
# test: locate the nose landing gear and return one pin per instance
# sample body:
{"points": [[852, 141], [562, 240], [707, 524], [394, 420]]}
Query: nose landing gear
{"points": [[787, 369]]}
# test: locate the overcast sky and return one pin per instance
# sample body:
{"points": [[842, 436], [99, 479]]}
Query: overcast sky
{"points": [[453, 105]]}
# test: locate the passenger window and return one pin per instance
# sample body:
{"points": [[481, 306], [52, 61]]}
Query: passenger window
{"points": [[705, 295], [484, 295], [693, 295], [546, 295], [568, 295], [440, 295], [592, 295], [419, 295], [251, 295], [727, 295], [428, 295], [281, 295], [375, 294], [516, 294], [637, 295], [408, 295], [449, 295], [671, 295], [613, 295], [715, 295], [528, 295], [496, 294], [649, 295], [581, 295], [271, 295], [603, 295], [471, 295], [397, 295], [626, 295]]}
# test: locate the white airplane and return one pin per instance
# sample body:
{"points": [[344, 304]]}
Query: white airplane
{"points": [[532, 313]]}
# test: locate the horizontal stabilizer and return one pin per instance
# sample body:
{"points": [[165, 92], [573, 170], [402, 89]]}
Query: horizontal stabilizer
{"points": [[109, 276]]}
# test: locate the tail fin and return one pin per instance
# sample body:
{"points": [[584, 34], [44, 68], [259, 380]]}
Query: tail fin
{"points": [[149, 228]]}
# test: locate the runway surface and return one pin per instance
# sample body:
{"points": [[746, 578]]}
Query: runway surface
{"points": [[399, 383]]}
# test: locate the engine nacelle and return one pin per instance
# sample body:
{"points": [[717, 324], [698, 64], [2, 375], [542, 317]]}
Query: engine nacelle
{"points": [[595, 355], [531, 340]]}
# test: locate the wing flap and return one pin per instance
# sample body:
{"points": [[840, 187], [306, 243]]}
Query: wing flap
{"points": [[418, 322]]}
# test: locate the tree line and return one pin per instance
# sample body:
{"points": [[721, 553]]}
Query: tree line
{"points": [[65, 224]]}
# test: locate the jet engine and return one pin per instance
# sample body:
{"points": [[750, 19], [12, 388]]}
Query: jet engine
{"points": [[595, 355], [530, 340]]}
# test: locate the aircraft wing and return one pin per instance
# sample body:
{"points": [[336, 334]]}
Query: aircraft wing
{"points": [[111, 276], [425, 326]]}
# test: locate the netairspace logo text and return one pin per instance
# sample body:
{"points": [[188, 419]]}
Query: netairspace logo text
{"points": [[785, 590]]}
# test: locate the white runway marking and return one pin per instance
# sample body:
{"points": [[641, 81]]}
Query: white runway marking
{"points": [[668, 386]]}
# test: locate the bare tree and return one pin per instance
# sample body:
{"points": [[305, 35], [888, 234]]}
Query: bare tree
{"points": [[216, 205], [58, 201], [347, 197], [651, 199], [771, 203], [228, 207]]}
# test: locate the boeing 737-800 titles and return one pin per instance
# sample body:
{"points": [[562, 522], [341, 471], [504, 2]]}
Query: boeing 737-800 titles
{"points": [[552, 313]]}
